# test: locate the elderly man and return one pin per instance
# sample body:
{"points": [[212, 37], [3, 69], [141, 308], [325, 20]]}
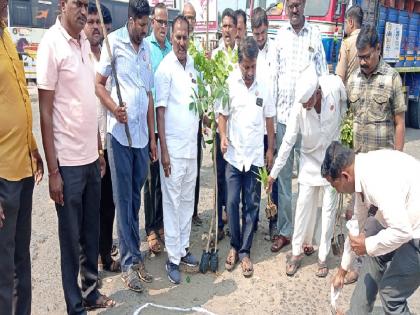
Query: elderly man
{"points": [[242, 143], [73, 150], [20, 166], [129, 165], [94, 34], [375, 95], [297, 44], [241, 28], [392, 262], [153, 213], [266, 70], [176, 79], [317, 116], [347, 60]]}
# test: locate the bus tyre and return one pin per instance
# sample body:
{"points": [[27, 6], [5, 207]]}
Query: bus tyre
{"points": [[414, 113]]}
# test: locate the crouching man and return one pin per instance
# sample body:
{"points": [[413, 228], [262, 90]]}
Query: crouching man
{"points": [[250, 104], [395, 193], [177, 128]]}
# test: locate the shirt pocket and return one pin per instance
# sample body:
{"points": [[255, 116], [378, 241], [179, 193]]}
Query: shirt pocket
{"points": [[378, 110], [354, 103]]}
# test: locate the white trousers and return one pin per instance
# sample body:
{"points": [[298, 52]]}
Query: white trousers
{"points": [[306, 218], [178, 206]]}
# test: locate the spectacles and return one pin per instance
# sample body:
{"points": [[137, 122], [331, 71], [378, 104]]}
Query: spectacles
{"points": [[366, 57], [190, 17], [296, 6], [162, 22]]}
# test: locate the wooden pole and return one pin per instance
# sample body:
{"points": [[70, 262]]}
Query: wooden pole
{"points": [[207, 25], [114, 71]]}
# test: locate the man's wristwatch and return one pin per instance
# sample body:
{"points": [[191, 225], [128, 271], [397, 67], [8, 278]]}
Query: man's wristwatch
{"points": [[101, 152]]}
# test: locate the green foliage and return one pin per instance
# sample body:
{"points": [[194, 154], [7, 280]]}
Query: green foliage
{"points": [[346, 136], [263, 176]]}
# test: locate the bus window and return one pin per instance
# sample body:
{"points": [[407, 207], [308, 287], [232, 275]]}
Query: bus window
{"points": [[20, 13], [317, 7], [44, 13]]}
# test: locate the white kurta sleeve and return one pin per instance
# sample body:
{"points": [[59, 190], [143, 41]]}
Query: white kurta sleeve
{"points": [[162, 85], [289, 140]]}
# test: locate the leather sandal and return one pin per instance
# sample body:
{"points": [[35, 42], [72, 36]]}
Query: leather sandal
{"points": [[279, 242], [322, 271], [292, 265], [247, 267], [231, 259], [153, 242], [143, 274], [102, 302], [132, 281]]}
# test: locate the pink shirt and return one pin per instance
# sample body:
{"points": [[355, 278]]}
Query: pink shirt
{"points": [[66, 67]]}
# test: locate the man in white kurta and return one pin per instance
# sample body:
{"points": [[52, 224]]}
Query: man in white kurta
{"points": [[241, 127], [317, 117], [177, 127], [389, 181]]}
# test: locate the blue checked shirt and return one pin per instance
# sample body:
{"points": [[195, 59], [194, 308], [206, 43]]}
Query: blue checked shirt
{"points": [[294, 51], [135, 76]]}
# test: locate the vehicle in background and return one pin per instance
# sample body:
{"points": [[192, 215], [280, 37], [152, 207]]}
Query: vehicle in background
{"points": [[29, 19]]}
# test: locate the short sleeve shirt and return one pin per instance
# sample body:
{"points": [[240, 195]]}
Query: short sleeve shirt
{"points": [[375, 101], [65, 66]]}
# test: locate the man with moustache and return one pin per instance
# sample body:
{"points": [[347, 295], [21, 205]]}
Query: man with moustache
{"points": [[129, 165], [241, 129], [241, 25], [93, 33], [73, 151], [176, 79], [153, 213], [20, 167], [266, 71], [229, 48], [297, 44]]}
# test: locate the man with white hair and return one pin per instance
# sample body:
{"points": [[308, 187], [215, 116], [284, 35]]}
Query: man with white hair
{"points": [[317, 114]]}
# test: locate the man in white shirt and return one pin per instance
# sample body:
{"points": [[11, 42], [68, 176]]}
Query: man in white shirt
{"points": [[227, 46], [297, 44], [395, 192], [317, 116], [177, 128], [250, 104], [266, 71]]}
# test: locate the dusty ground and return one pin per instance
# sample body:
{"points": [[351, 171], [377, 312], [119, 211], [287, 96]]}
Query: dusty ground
{"points": [[269, 291]]}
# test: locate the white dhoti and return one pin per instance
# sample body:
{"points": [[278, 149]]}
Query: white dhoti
{"points": [[178, 206], [306, 218]]}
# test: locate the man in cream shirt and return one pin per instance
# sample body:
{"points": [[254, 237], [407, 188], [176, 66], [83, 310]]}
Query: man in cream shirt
{"points": [[392, 263], [177, 128], [317, 117]]}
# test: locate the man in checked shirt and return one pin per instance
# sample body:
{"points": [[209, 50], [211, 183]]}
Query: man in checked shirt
{"points": [[297, 44]]}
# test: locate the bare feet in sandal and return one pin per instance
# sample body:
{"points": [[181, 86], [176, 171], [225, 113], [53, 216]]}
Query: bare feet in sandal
{"points": [[102, 302], [132, 281], [293, 263], [247, 267], [153, 242], [322, 271], [231, 259]]}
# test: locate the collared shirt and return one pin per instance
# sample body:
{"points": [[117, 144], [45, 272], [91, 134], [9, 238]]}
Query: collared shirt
{"points": [[65, 66], [247, 111], [266, 71], [135, 76], [317, 130], [375, 101], [294, 52], [230, 53], [174, 91], [348, 61], [395, 191], [16, 137]]}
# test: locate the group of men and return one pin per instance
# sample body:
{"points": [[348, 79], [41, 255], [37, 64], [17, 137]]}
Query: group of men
{"points": [[116, 120]]}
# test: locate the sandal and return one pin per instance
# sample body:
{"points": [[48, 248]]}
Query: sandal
{"points": [[247, 267], [279, 241], [102, 302], [231, 259], [322, 269], [132, 281], [153, 242], [143, 274], [113, 266], [308, 250], [292, 265], [162, 235], [351, 277]]}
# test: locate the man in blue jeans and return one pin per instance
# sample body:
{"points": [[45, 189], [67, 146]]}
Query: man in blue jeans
{"points": [[129, 165], [250, 106]]}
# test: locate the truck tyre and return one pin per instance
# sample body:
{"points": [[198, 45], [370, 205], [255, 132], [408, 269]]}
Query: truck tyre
{"points": [[414, 114]]}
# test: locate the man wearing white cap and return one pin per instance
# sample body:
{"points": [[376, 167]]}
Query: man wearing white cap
{"points": [[317, 114]]}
